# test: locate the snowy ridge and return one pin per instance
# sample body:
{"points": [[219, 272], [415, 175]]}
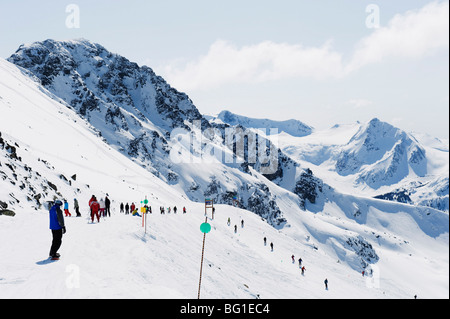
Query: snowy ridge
{"points": [[403, 248], [376, 159], [291, 127]]}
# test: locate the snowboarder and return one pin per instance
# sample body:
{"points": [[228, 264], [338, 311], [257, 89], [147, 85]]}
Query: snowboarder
{"points": [[66, 209], [57, 227], [77, 207], [95, 207], [326, 283]]}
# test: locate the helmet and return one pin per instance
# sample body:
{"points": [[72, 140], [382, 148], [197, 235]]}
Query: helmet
{"points": [[58, 202]]}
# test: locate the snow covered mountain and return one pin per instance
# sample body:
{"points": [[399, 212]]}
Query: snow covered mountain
{"points": [[291, 127], [51, 148], [136, 111], [378, 160]]}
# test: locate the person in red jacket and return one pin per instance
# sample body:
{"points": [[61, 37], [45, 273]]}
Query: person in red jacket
{"points": [[132, 207], [95, 207]]}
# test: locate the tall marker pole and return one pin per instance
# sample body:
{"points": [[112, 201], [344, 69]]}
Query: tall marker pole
{"points": [[204, 228]]}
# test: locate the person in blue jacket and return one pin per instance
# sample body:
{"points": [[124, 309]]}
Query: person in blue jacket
{"points": [[57, 227]]}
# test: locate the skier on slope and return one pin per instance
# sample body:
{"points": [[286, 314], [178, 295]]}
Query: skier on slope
{"points": [[293, 258], [271, 246], [95, 207], [107, 207], [90, 202], [66, 209], [102, 207], [77, 207], [303, 270], [57, 227], [326, 283]]}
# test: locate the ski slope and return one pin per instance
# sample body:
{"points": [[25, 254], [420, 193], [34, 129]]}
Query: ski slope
{"points": [[117, 259]]}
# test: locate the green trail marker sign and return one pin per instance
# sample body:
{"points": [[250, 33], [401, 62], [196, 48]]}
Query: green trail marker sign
{"points": [[205, 228]]}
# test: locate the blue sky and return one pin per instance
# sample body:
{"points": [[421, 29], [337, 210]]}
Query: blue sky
{"points": [[321, 62]]}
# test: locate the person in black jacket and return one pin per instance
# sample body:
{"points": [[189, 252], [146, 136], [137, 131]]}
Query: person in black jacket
{"points": [[107, 207], [57, 227]]}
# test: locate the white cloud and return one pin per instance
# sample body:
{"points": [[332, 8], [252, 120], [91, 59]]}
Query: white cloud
{"points": [[226, 63], [413, 34], [410, 35]]}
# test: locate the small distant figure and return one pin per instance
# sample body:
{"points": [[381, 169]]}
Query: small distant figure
{"points": [[300, 262], [107, 207], [122, 207], [303, 270], [102, 207], [271, 246], [326, 283], [242, 223], [95, 207], [77, 207], [175, 210], [66, 209], [229, 221], [265, 241], [184, 210], [235, 228], [293, 258]]}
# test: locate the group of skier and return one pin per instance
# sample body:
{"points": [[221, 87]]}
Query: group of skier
{"points": [[132, 209], [75, 205], [235, 226], [100, 208]]}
